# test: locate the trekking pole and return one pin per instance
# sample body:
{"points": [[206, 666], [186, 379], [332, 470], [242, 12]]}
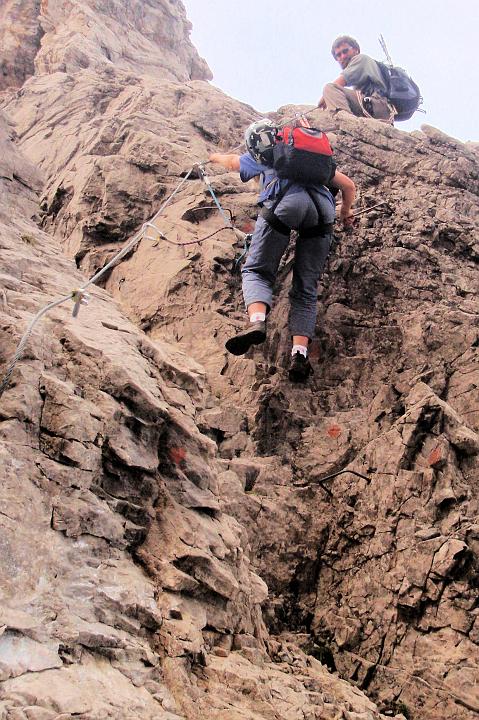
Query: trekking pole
{"points": [[335, 474], [382, 42], [366, 210], [362, 212]]}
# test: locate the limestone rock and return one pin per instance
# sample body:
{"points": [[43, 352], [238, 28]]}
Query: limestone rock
{"points": [[48, 37], [184, 533]]}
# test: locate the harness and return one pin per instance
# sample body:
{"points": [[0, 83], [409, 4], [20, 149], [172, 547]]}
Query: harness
{"points": [[366, 104], [319, 230]]}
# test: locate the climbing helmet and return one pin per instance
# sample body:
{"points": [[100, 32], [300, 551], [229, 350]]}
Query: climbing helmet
{"points": [[260, 139]]}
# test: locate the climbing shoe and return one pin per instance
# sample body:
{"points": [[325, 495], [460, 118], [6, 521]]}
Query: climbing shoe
{"points": [[254, 334], [299, 368]]}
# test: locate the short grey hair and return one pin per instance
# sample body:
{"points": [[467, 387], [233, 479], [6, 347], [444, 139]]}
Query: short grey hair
{"points": [[344, 39]]}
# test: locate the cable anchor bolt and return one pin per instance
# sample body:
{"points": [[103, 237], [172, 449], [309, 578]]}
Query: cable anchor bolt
{"points": [[79, 297]]}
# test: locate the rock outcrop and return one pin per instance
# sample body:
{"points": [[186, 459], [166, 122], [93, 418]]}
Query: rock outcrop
{"points": [[171, 546], [139, 38]]}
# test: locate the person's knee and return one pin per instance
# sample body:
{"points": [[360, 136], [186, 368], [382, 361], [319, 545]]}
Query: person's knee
{"points": [[331, 89], [304, 295], [258, 275]]}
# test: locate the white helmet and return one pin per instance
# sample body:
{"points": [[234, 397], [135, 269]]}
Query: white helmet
{"points": [[260, 139]]}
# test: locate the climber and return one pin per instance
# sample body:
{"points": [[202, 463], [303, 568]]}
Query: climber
{"points": [[294, 207], [366, 96]]}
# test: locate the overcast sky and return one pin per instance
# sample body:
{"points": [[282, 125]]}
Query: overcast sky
{"points": [[269, 53]]}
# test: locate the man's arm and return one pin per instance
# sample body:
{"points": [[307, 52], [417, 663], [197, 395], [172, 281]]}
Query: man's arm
{"points": [[348, 194], [230, 162], [341, 81]]}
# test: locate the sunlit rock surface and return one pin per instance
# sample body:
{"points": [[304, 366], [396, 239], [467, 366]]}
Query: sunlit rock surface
{"points": [[169, 546]]}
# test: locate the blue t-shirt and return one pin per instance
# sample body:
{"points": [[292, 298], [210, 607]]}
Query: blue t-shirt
{"points": [[270, 183]]}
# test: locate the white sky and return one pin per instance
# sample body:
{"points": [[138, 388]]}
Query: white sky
{"points": [[269, 53]]}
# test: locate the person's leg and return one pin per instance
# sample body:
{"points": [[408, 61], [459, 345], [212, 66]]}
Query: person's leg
{"points": [[256, 308], [298, 210], [339, 98], [261, 266], [310, 257], [258, 276], [300, 341]]}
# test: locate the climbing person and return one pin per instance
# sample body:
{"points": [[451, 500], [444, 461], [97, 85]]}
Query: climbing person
{"points": [[287, 205], [360, 88]]}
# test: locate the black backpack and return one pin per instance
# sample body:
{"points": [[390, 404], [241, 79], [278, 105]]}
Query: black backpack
{"points": [[402, 91]]}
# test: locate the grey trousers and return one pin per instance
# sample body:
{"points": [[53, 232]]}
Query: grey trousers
{"points": [[339, 98], [259, 272]]}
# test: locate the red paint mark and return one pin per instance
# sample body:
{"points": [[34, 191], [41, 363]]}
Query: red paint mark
{"points": [[247, 227], [435, 455], [334, 431], [177, 455]]}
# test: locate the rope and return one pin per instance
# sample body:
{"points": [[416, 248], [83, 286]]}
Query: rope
{"points": [[362, 99], [193, 242], [229, 221], [27, 334], [79, 295], [139, 235], [372, 207], [206, 181], [237, 262]]}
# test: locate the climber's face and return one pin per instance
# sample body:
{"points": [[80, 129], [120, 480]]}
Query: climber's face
{"points": [[344, 54]]}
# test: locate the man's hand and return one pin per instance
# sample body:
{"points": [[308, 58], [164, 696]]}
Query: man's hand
{"points": [[230, 162], [322, 103], [348, 194], [347, 218]]}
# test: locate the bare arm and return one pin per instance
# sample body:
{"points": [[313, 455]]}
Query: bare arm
{"points": [[340, 81], [348, 194], [230, 162]]}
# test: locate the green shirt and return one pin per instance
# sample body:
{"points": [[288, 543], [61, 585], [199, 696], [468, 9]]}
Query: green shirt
{"points": [[363, 74]]}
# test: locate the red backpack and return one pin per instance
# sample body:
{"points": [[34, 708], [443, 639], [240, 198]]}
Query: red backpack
{"points": [[303, 155]]}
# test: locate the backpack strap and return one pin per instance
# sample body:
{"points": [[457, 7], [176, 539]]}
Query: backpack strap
{"points": [[317, 231], [271, 218]]}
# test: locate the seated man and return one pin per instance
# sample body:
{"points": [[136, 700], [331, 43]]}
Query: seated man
{"points": [[366, 96], [308, 210]]}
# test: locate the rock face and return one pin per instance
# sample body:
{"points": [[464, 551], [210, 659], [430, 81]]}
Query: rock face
{"points": [[20, 35], [183, 555], [146, 37], [126, 590]]}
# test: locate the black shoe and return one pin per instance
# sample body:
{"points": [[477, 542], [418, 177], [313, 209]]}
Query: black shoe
{"points": [[254, 334], [299, 368]]}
